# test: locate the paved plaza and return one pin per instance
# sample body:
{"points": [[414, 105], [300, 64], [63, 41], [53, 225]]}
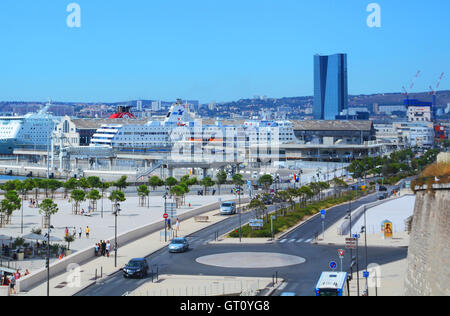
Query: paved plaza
{"points": [[131, 216]]}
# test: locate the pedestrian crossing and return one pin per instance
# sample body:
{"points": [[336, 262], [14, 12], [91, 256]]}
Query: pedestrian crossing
{"points": [[294, 240]]}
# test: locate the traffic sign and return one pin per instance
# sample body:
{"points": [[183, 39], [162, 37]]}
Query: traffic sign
{"points": [[166, 216], [323, 212], [350, 243], [357, 236], [366, 274], [341, 253], [256, 223], [333, 265]]}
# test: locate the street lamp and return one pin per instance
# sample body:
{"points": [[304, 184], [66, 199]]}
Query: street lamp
{"points": [[116, 211]]}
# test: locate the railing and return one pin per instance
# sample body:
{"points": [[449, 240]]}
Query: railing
{"points": [[7, 262]]}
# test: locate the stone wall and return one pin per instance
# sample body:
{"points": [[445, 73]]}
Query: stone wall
{"points": [[428, 272]]}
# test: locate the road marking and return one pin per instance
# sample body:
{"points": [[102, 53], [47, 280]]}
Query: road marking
{"points": [[292, 240], [300, 240], [282, 241], [309, 240]]}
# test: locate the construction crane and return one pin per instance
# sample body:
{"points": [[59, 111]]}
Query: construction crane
{"points": [[411, 85], [434, 91]]}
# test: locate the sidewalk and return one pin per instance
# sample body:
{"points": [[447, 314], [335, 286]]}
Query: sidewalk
{"points": [[71, 282], [391, 275]]}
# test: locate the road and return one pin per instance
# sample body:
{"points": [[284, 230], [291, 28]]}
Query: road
{"points": [[300, 279]]}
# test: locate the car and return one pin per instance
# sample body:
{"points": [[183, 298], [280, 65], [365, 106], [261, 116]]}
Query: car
{"points": [[136, 268], [382, 189], [179, 245], [228, 208], [383, 196], [267, 200]]}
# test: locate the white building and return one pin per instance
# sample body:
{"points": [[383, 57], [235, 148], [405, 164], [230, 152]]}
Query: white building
{"points": [[419, 114]]}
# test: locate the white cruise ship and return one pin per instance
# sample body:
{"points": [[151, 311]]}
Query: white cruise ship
{"points": [[161, 136], [31, 131]]}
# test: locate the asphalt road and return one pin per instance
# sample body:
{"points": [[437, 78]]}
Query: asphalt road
{"points": [[300, 279]]}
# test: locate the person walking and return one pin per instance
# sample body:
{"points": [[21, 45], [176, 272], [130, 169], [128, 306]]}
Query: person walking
{"points": [[103, 248], [177, 225], [88, 231], [12, 284], [66, 232], [80, 232], [108, 248]]}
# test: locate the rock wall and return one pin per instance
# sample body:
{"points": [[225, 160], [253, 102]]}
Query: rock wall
{"points": [[428, 272]]}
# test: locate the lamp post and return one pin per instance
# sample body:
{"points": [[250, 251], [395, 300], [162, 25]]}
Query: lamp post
{"points": [[47, 262], [116, 211], [166, 193]]}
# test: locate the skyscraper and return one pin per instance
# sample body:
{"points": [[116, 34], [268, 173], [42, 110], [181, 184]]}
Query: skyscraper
{"points": [[330, 86]]}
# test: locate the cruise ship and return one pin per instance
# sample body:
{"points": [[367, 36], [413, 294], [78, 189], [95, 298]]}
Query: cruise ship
{"points": [[179, 128], [31, 131]]}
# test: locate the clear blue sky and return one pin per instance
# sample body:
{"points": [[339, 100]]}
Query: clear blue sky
{"points": [[214, 49]]}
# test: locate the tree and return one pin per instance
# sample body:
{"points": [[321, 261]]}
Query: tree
{"points": [[37, 186], [221, 178], [237, 180], [69, 239], [305, 193], [178, 191], [266, 181], [84, 184], [53, 186], [207, 182], [93, 196], [116, 196], [44, 184], [121, 184], [47, 209], [9, 205], [69, 186], [155, 182], [94, 182], [258, 206], [171, 181], [77, 196], [143, 193]]}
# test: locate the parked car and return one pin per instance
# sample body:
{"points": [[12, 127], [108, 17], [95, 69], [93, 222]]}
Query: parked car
{"points": [[179, 245], [382, 189], [383, 196], [228, 208], [267, 200], [136, 268]]}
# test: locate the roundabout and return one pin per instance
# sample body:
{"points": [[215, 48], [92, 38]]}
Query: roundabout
{"points": [[250, 260]]}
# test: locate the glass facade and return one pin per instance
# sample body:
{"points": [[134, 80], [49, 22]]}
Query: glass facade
{"points": [[330, 86]]}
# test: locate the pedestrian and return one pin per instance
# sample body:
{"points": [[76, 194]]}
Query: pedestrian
{"points": [[96, 249], [12, 284], [66, 232], [103, 248], [17, 275], [80, 232], [74, 233], [168, 224], [108, 248], [27, 272], [177, 225], [88, 231]]}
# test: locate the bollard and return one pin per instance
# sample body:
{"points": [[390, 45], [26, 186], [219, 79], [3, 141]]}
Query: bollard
{"points": [[157, 273], [101, 272], [276, 277], [95, 275], [152, 275]]}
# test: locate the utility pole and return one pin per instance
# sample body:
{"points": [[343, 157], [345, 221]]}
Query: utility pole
{"points": [[115, 232]]}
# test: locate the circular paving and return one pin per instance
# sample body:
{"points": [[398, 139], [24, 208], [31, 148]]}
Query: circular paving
{"points": [[250, 260]]}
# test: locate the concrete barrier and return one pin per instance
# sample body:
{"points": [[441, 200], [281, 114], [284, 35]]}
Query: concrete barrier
{"points": [[27, 283], [4, 291]]}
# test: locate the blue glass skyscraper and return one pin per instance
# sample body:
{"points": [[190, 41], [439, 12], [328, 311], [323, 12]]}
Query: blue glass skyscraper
{"points": [[330, 86]]}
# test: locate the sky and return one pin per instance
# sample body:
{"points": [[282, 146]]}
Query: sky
{"points": [[215, 50]]}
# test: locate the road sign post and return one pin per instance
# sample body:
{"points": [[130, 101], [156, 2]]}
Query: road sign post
{"points": [[322, 215], [333, 265], [341, 256]]}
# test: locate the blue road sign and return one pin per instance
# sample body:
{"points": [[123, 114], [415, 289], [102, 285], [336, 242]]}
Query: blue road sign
{"points": [[366, 274], [333, 265], [323, 212], [356, 236]]}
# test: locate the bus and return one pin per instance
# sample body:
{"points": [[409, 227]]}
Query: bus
{"points": [[332, 284]]}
